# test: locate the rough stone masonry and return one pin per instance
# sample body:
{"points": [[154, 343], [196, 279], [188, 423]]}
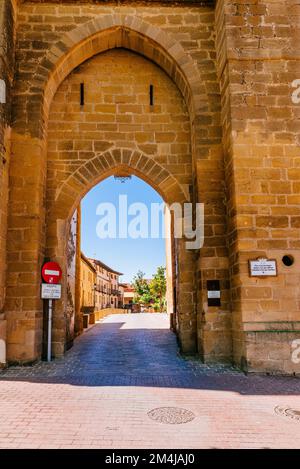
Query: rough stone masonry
{"points": [[223, 131]]}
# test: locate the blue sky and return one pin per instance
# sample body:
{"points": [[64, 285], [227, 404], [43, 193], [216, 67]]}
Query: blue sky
{"points": [[125, 255]]}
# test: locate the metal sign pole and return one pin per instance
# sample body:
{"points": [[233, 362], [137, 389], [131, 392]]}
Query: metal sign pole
{"points": [[49, 331]]}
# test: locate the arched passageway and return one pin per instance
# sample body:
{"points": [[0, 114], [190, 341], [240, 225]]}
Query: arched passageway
{"points": [[120, 232], [73, 145], [116, 131]]}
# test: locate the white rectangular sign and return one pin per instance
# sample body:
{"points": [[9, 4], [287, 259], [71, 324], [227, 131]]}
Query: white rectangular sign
{"points": [[263, 268], [50, 291], [52, 272], [213, 294]]}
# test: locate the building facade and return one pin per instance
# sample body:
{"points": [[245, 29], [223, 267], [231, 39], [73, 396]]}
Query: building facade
{"points": [[201, 100], [129, 293], [107, 291], [88, 279], [121, 295]]}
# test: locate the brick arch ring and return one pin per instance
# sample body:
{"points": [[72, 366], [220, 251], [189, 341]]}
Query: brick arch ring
{"points": [[130, 32], [118, 162]]}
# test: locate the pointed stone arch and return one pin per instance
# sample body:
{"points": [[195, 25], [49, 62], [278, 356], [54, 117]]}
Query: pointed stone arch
{"points": [[111, 31], [115, 161], [120, 162]]}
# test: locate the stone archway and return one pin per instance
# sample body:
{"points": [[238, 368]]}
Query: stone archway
{"points": [[29, 144], [117, 162], [148, 141]]}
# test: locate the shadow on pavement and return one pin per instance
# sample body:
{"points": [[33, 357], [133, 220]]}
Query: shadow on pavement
{"points": [[113, 354]]}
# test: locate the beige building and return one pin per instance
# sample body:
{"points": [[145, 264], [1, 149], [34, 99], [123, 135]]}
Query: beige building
{"points": [[107, 292], [198, 98], [88, 281], [129, 293]]}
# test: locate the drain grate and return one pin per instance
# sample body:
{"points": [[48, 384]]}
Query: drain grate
{"points": [[288, 412], [171, 415]]}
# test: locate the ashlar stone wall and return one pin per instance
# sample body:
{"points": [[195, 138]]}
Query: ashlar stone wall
{"points": [[258, 60], [7, 49]]}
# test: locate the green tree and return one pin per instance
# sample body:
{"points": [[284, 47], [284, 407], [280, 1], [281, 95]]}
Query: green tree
{"points": [[158, 288], [153, 292], [141, 287]]}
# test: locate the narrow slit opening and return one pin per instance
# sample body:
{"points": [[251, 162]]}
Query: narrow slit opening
{"points": [[81, 94]]}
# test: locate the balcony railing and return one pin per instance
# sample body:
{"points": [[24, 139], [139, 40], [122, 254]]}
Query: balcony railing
{"points": [[101, 290], [113, 291]]}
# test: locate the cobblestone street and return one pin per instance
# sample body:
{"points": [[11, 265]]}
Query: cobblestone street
{"points": [[100, 395]]}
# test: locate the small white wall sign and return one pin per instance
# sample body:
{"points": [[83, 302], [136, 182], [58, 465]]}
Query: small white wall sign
{"points": [[2, 92], [50, 291], [263, 268], [213, 294]]}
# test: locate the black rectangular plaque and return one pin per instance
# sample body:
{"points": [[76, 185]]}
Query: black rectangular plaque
{"points": [[213, 293]]}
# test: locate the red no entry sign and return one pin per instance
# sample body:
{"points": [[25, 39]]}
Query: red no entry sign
{"points": [[51, 272]]}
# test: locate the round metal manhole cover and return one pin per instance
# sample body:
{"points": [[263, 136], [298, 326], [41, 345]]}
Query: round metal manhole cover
{"points": [[171, 415], [288, 412]]}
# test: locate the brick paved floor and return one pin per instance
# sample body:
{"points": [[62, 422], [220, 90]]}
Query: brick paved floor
{"points": [[99, 395]]}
